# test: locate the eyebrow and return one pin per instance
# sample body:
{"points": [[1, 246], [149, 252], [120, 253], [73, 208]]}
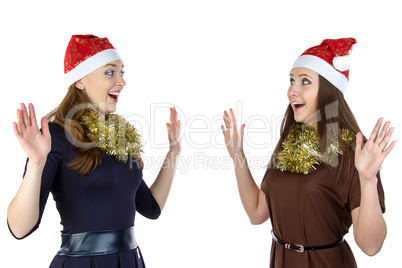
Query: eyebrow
{"points": [[302, 75], [113, 65]]}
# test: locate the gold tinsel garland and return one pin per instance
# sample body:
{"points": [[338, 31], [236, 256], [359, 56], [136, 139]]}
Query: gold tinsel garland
{"points": [[113, 134], [301, 149]]}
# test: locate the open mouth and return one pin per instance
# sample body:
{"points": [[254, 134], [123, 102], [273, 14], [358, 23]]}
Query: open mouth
{"points": [[298, 105], [114, 95]]}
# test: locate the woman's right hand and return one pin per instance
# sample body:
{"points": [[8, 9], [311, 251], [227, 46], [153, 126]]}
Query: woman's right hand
{"points": [[233, 139], [35, 143]]}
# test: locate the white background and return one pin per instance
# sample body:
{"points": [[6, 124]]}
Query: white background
{"points": [[203, 57]]}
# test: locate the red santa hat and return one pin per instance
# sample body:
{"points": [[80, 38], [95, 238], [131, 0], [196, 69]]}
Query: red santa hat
{"points": [[330, 59], [85, 54]]}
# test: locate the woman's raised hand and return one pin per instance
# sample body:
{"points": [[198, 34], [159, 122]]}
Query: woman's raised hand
{"points": [[35, 143], [173, 128], [368, 158], [233, 139]]}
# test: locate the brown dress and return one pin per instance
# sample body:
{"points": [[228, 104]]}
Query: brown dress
{"points": [[312, 210]]}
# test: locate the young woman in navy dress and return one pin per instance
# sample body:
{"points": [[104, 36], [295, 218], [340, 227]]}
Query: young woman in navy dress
{"points": [[89, 159]]}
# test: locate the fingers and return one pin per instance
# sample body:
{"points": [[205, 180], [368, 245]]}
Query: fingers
{"points": [[17, 132], [233, 118], [225, 134], [385, 141], [170, 115], [381, 137], [231, 134], [173, 117], [226, 119], [385, 136], [20, 121], [230, 120], [242, 131], [25, 117], [223, 130], [390, 147], [32, 115], [25, 120], [382, 134], [376, 129], [174, 125]]}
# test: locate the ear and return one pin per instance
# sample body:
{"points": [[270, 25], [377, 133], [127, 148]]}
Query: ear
{"points": [[79, 84]]}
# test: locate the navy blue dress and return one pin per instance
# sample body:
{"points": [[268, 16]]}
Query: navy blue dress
{"points": [[105, 199]]}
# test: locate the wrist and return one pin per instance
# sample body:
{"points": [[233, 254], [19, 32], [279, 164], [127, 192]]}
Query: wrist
{"points": [[239, 159], [368, 180], [173, 152], [36, 165]]}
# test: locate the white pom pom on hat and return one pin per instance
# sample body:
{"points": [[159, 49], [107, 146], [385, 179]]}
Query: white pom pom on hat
{"points": [[342, 63]]}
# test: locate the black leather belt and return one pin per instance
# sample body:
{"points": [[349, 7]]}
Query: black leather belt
{"points": [[97, 242], [300, 248]]}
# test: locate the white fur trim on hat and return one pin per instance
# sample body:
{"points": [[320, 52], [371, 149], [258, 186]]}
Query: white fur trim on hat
{"points": [[91, 64], [324, 69]]}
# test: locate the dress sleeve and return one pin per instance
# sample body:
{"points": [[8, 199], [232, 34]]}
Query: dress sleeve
{"points": [[145, 203], [355, 192], [57, 155]]}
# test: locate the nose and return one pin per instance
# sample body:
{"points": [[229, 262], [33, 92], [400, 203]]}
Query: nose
{"points": [[293, 90], [120, 81]]}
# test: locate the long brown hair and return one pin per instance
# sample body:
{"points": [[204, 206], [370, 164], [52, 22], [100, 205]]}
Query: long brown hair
{"points": [[333, 113], [87, 159]]}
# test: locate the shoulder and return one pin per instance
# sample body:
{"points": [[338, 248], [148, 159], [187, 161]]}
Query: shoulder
{"points": [[55, 129], [58, 133], [60, 144]]}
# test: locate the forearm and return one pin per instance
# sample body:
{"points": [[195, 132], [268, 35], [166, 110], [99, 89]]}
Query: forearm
{"points": [[370, 229], [250, 193], [161, 187], [23, 211]]}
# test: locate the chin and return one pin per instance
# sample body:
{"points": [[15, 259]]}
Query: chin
{"points": [[111, 108], [299, 120]]}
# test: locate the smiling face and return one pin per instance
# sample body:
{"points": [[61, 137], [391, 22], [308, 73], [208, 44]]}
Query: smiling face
{"points": [[302, 94], [103, 86]]}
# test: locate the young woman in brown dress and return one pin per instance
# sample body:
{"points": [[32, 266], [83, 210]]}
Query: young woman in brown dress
{"points": [[323, 175]]}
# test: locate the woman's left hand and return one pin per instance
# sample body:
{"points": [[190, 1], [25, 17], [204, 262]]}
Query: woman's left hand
{"points": [[369, 157], [173, 128]]}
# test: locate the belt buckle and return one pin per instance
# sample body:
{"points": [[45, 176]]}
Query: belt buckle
{"points": [[300, 248], [295, 247]]}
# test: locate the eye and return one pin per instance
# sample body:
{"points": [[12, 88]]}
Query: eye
{"points": [[292, 81], [109, 73], [305, 81], [122, 73]]}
